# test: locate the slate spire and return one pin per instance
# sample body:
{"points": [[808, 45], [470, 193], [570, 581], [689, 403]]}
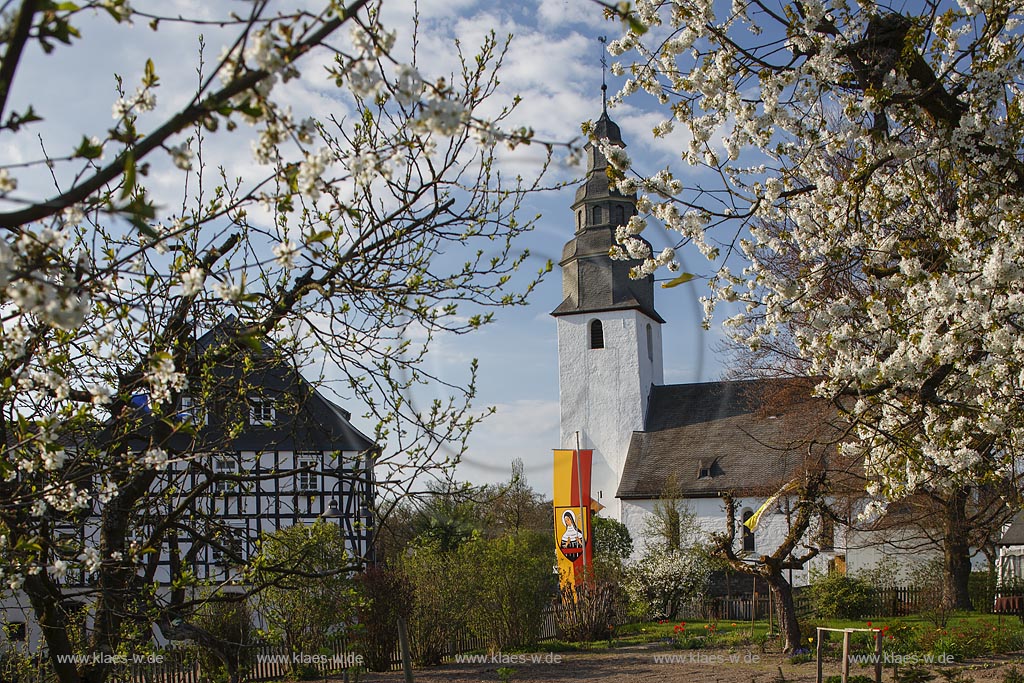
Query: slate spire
{"points": [[591, 280]]}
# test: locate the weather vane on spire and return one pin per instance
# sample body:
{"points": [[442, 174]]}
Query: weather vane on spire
{"points": [[604, 66]]}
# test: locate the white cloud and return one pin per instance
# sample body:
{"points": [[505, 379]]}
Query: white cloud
{"points": [[567, 13], [525, 429]]}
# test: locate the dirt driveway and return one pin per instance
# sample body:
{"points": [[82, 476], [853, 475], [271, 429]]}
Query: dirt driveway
{"points": [[656, 663]]}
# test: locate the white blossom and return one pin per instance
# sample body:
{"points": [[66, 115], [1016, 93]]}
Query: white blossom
{"points": [[8, 183], [192, 281], [181, 155], [90, 558], [58, 569], [284, 253]]}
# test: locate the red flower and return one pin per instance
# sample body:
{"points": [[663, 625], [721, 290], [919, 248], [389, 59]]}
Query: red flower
{"points": [[869, 624]]}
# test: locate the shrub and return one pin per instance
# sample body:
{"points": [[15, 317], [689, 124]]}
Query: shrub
{"points": [[226, 651], [664, 580], [928, 576], [509, 584], [913, 675], [955, 676], [837, 596], [590, 610], [385, 596], [438, 610], [308, 594], [612, 542], [982, 588], [856, 678]]}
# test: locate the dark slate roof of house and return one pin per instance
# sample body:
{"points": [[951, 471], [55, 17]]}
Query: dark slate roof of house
{"points": [[722, 436], [1014, 534], [305, 419]]}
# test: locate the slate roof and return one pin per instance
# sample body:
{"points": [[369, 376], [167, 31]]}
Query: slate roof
{"points": [[722, 436], [1014, 534], [305, 419], [591, 281]]}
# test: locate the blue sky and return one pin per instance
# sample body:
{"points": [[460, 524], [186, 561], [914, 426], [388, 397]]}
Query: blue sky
{"points": [[553, 64]]}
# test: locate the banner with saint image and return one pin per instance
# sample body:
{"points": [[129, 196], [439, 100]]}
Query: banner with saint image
{"points": [[572, 513]]}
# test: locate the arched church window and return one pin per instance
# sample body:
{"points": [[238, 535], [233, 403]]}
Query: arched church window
{"points": [[650, 342], [619, 215], [597, 215], [748, 535], [579, 219], [596, 335]]}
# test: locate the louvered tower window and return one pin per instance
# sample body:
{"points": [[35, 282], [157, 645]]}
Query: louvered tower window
{"points": [[596, 335]]}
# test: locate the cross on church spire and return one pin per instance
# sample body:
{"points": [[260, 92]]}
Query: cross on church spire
{"points": [[604, 66]]}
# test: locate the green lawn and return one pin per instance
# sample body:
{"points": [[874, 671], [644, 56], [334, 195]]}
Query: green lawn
{"points": [[965, 635]]}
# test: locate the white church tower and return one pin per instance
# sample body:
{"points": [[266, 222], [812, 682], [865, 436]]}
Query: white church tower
{"points": [[609, 335]]}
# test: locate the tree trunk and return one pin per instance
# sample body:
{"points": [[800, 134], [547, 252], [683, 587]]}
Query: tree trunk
{"points": [[785, 611], [45, 599], [956, 555]]}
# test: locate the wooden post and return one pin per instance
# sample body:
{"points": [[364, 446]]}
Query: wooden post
{"points": [[753, 607], [878, 657], [819, 648], [403, 642], [846, 656]]}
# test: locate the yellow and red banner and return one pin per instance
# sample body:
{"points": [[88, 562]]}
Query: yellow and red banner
{"points": [[572, 513]]}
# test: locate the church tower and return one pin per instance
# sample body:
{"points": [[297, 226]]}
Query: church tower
{"points": [[609, 335]]}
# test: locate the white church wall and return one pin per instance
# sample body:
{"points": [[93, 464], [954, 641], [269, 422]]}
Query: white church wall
{"points": [[709, 515], [603, 392], [859, 551]]}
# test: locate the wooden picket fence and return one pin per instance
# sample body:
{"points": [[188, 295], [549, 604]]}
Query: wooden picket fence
{"points": [[270, 661]]}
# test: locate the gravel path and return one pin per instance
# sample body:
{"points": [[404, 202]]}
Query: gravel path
{"points": [[657, 664]]}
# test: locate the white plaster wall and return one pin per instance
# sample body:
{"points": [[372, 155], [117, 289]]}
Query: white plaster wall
{"points": [[603, 392], [862, 550], [709, 515]]}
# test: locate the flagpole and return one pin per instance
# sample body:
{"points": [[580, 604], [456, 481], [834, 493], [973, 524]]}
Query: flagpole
{"points": [[579, 487]]}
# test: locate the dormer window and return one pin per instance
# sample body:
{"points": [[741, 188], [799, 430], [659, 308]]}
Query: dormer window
{"points": [[596, 335], [704, 469], [261, 411]]}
